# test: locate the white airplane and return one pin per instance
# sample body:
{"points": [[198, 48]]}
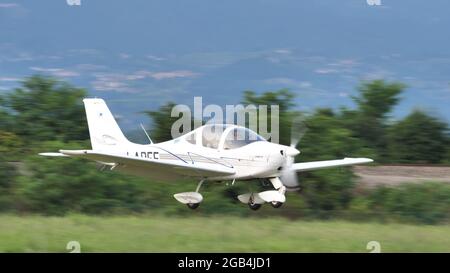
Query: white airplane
{"points": [[209, 153]]}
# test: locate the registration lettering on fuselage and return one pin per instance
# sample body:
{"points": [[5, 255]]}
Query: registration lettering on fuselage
{"points": [[151, 155]]}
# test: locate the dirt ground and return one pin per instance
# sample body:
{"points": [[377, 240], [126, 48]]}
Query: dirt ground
{"points": [[372, 176]]}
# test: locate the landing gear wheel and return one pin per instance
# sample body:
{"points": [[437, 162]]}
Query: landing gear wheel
{"points": [[254, 206], [193, 205], [276, 204]]}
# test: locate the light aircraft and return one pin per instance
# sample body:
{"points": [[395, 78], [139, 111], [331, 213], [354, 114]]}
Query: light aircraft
{"points": [[209, 153]]}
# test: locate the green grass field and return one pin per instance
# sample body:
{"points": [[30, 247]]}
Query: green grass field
{"points": [[152, 233]]}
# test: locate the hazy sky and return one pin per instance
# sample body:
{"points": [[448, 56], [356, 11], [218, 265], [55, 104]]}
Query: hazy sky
{"points": [[138, 54]]}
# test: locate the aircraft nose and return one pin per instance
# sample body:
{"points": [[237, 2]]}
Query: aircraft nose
{"points": [[291, 151]]}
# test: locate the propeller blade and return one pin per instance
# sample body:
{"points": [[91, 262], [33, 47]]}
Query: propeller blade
{"points": [[298, 129], [289, 177]]}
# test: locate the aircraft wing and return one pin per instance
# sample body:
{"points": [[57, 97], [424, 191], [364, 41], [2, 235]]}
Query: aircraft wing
{"points": [[314, 165], [179, 167]]}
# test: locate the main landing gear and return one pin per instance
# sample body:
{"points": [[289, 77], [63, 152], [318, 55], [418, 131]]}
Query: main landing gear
{"points": [[276, 204], [191, 199], [193, 205], [276, 197], [254, 200], [254, 206]]}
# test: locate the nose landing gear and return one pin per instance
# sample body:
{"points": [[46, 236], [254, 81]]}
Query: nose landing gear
{"points": [[281, 189], [276, 204]]}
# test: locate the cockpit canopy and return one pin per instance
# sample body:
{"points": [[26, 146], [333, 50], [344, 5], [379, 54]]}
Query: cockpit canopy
{"points": [[220, 136]]}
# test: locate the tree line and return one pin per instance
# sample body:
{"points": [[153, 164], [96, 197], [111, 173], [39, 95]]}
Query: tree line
{"points": [[46, 114]]}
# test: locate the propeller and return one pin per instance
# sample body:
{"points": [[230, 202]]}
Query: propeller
{"points": [[298, 130], [288, 176]]}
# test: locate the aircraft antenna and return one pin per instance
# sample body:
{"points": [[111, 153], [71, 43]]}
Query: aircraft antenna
{"points": [[143, 128]]}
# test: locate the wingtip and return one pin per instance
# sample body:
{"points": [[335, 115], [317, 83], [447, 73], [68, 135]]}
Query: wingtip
{"points": [[365, 159]]}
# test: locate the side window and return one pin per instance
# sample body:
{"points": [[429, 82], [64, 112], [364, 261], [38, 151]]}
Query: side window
{"points": [[211, 136]]}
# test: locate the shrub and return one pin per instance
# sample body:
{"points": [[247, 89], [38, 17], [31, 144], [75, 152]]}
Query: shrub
{"points": [[427, 203]]}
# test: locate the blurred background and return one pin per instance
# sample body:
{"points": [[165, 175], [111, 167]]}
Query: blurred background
{"points": [[368, 81]]}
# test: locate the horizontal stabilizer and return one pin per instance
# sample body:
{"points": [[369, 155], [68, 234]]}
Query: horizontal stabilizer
{"points": [[52, 154]]}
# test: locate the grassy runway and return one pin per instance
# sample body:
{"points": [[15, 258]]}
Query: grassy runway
{"points": [[155, 233]]}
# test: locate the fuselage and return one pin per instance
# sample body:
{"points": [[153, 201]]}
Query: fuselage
{"points": [[256, 159]]}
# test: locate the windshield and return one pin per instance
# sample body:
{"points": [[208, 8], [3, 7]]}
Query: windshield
{"points": [[239, 137]]}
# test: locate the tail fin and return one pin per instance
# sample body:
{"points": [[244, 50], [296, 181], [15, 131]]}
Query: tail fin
{"points": [[103, 129]]}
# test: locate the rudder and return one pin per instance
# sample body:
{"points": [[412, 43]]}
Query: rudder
{"points": [[104, 131]]}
